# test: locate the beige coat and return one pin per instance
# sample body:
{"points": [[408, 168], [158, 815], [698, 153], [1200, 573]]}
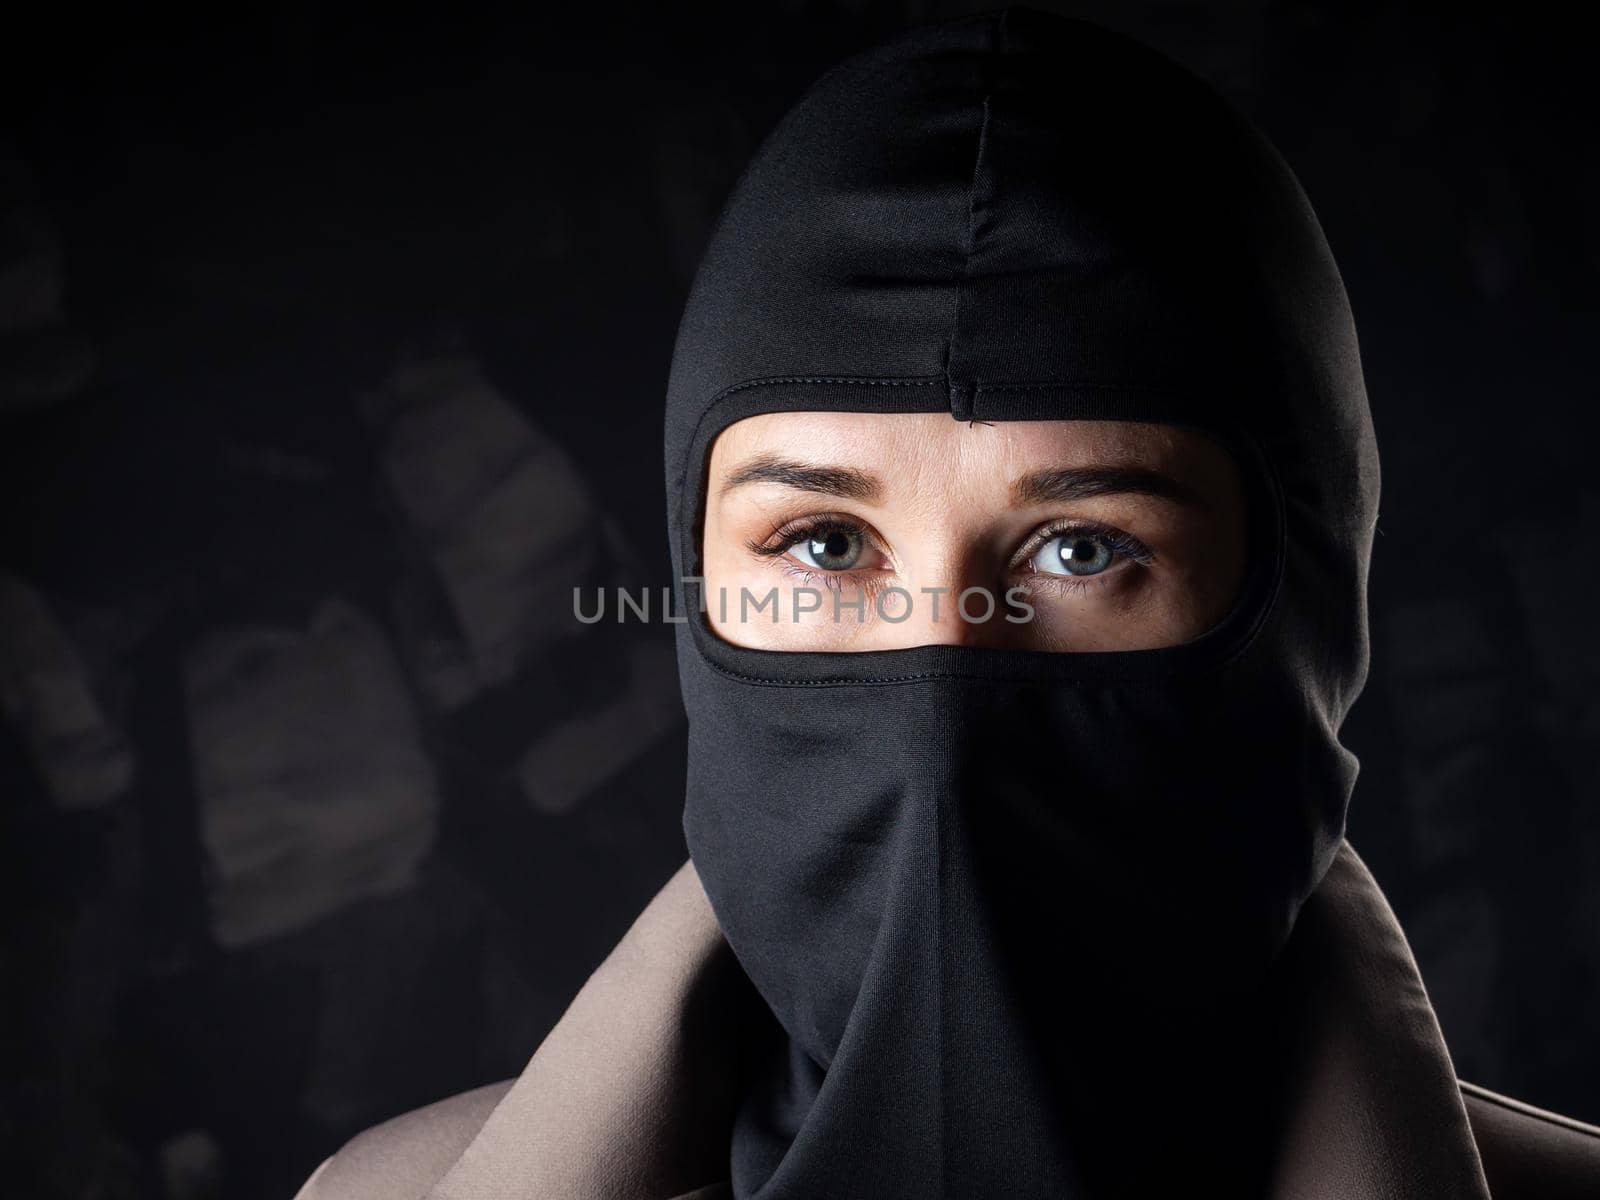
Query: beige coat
{"points": [[627, 1097]]}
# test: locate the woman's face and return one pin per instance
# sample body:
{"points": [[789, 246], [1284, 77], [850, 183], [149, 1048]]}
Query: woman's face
{"points": [[862, 531]]}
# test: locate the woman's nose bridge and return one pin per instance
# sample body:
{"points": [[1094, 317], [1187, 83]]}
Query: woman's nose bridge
{"points": [[958, 598]]}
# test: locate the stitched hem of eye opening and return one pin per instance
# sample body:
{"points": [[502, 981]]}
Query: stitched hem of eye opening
{"points": [[1212, 650]]}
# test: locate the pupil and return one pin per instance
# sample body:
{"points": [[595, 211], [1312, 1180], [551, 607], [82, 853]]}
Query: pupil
{"points": [[836, 545], [1080, 552]]}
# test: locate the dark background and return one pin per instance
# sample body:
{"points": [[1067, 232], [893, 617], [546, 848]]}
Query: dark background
{"points": [[331, 354]]}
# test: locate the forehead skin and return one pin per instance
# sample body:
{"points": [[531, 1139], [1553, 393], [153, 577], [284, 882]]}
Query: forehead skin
{"points": [[933, 447], [947, 501]]}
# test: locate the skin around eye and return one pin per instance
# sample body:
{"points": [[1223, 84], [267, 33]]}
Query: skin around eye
{"points": [[1120, 535]]}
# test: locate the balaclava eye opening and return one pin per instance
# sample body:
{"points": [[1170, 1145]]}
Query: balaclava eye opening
{"points": [[986, 893], [1226, 637]]}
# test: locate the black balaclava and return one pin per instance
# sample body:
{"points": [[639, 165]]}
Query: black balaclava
{"points": [[1014, 910]]}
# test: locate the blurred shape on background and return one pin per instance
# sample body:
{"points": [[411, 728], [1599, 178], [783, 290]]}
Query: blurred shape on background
{"points": [[42, 357], [48, 697], [695, 148], [578, 756], [1491, 804], [497, 512], [313, 786], [192, 1166], [499, 527]]}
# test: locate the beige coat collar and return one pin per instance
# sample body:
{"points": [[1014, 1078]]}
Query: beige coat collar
{"points": [[629, 1097]]}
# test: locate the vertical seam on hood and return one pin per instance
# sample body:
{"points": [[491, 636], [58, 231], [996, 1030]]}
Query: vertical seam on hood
{"points": [[962, 390]]}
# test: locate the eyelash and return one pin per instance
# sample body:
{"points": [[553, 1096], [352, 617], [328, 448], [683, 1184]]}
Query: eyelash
{"points": [[778, 542]]}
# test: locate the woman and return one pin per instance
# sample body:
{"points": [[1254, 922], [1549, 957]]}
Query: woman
{"points": [[1043, 893]]}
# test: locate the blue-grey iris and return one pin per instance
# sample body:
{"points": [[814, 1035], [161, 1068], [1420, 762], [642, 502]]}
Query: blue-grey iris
{"points": [[835, 550]]}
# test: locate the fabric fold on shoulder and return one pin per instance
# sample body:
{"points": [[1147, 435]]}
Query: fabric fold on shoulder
{"points": [[1372, 1105], [631, 1095]]}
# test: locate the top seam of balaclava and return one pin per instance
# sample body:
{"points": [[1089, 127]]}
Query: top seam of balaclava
{"points": [[961, 390]]}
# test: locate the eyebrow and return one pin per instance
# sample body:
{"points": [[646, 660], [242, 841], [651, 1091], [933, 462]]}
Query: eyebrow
{"points": [[847, 482], [1079, 483], [1058, 485]]}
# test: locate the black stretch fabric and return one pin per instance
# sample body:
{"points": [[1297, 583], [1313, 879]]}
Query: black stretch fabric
{"points": [[1008, 907]]}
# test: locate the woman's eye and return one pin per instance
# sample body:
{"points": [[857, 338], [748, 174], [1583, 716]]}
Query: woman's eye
{"points": [[1074, 554], [829, 549]]}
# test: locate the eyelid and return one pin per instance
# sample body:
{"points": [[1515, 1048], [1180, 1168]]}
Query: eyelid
{"points": [[1122, 542], [796, 529]]}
